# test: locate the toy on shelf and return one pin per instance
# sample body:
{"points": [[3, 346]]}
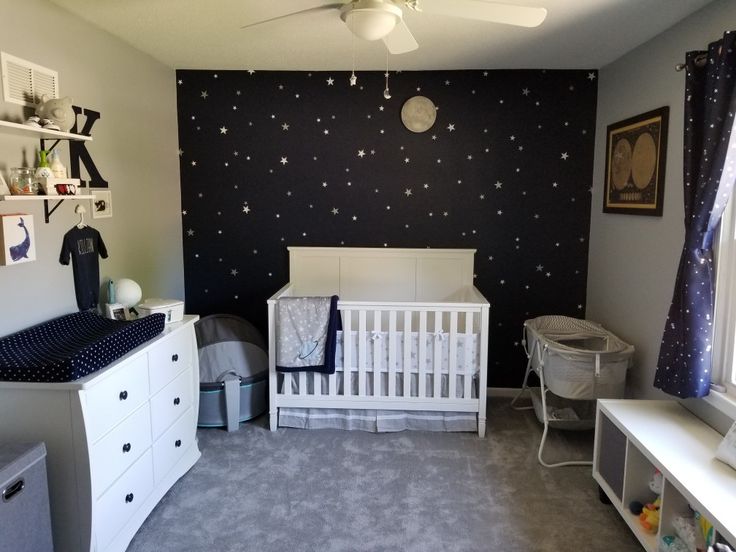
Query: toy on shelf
{"points": [[648, 513]]}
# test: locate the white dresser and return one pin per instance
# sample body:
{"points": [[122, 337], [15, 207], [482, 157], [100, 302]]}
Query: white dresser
{"points": [[117, 439]]}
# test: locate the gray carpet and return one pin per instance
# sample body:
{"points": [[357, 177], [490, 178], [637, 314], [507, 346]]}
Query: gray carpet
{"points": [[335, 491]]}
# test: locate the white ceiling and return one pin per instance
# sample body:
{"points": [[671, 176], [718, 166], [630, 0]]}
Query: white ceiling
{"points": [[201, 34]]}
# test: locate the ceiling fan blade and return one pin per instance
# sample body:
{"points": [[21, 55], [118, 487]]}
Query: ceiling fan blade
{"points": [[400, 40], [308, 10], [493, 12]]}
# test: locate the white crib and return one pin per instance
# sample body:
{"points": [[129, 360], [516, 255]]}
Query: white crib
{"points": [[386, 295]]}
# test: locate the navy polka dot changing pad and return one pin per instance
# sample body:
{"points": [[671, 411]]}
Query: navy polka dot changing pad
{"points": [[72, 346]]}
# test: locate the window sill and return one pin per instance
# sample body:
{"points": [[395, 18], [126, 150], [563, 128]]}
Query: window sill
{"points": [[723, 402]]}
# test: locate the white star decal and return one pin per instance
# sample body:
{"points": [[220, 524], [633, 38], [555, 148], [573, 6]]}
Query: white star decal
{"points": [[499, 212], [451, 127], [181, 152], [539, 268], [194, 163], [184, 212], [355, 218], [499, 184], [591, 76], [434, 137], [470, 157], [482, 196], [246, 209], [234, 271], [190, 232], [223, 130], [330, 81], [380, 108], [525, 91], [426, 186], [285, 126], [564, 155], [407, 192], [180, 81], [447, 83], [512, 137], [204, 94], [335, 210], [406, 159], [361, 153], [251, 71], [326, 132], [284, 161]]}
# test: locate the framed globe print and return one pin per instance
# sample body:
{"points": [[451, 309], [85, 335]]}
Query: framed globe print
{"points": [[635, 164]]}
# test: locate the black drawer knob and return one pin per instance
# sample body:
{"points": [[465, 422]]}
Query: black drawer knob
{"points": [[177, 401], [129, 498], [174, 358], [177, 443], [126, 447], [123, 395]]}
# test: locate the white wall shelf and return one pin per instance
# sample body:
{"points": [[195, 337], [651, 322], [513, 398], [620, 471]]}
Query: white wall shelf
{"points": [[45, 198], [633, 437], [8, 127]]}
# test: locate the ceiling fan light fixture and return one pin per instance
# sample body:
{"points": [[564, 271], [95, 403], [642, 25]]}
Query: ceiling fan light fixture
{"points": [[370, 19]]}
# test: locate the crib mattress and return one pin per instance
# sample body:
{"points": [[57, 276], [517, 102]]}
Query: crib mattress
{"points": [[72, 346]]}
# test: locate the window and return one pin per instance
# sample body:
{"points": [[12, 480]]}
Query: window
{"points": [[724, 352]]}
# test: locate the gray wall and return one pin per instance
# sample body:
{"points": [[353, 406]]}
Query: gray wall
{"points": [[134, 147], [633, 259]]}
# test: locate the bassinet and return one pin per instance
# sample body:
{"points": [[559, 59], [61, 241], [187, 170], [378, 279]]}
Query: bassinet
{"points": [[577, 361]]}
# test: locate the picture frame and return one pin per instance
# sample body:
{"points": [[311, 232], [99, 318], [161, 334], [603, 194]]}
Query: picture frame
{"points": [[101, 205], [4, 190], [636, 151]]}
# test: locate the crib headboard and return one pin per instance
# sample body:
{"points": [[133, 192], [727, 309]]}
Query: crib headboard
{"points": [[380, 274]]}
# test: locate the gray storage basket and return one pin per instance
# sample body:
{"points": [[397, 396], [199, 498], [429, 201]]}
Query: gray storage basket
{"points": [[233, 371]]}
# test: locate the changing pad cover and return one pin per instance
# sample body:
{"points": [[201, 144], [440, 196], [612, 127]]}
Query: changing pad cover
{"points": [[72, 346]]}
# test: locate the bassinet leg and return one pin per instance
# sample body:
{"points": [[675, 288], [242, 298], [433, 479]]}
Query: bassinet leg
{"points": [[274, 419], [523, 387], [481, 427], [543, 392]]}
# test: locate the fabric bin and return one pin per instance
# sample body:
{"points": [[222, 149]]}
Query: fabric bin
{"points": [[25, 518]]}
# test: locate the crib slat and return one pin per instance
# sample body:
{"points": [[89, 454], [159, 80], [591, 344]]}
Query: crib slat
{"points": [[392, 354], [287, 383], [406, 365], [347, 353], [437, 377], [421, 381], [467, 370], [332, 384], [377, 349], [317, 377], [302, 384], [361, 353], [452, 351]]}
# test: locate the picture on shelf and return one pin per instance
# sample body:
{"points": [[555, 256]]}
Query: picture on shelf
{"points": [[4, 190], [102, 203]]}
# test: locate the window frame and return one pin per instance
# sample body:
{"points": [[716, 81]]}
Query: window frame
{"points": [[723, 375]]}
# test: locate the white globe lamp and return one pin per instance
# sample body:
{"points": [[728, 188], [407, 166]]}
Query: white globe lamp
{"points": [[128, 293]]}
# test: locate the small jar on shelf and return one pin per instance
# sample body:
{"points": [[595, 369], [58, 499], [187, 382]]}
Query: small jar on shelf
{"points": [[22, 181]]}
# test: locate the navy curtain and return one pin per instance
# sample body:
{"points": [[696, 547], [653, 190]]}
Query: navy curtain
{"points": [[684, 365]]}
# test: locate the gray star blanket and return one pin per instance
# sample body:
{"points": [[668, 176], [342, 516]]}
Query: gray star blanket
{"points": [[307, 334]]}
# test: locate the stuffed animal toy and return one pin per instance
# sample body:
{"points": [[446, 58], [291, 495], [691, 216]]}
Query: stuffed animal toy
{"points": [[656, 482], [649, 517], [57, 110]]}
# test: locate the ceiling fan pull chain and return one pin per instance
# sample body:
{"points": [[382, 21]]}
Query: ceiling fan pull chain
{"points": [[353, 78]]}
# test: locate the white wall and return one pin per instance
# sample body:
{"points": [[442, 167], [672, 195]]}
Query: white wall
{"points": [[134, 148], [633, 259]]}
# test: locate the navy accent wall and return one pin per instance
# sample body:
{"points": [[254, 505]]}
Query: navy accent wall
{"points": [[270, 159]]}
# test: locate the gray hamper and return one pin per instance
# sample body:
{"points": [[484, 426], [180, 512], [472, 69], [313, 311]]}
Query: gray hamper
{"points": [[233, 371], [25, 518]]}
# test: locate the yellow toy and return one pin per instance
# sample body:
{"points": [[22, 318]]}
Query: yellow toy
{"points": [[649, 517]]}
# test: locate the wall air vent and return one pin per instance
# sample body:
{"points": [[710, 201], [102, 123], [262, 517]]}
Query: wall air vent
{"points": [[24, 82]]}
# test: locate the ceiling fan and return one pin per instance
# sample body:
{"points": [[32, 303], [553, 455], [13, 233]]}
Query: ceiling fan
{"points": [[383, 19]]}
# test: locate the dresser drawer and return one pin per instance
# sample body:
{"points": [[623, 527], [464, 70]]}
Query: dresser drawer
{"points": [[117, 450], [173, 444], [116, 397], [169, 357], [114, 508], [171, 402]]}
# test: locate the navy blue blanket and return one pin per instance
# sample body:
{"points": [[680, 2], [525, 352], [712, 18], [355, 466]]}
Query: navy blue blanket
{"points": [[72, 346]]}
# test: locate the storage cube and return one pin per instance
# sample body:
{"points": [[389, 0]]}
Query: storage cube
{"points": [[25, 518]]}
